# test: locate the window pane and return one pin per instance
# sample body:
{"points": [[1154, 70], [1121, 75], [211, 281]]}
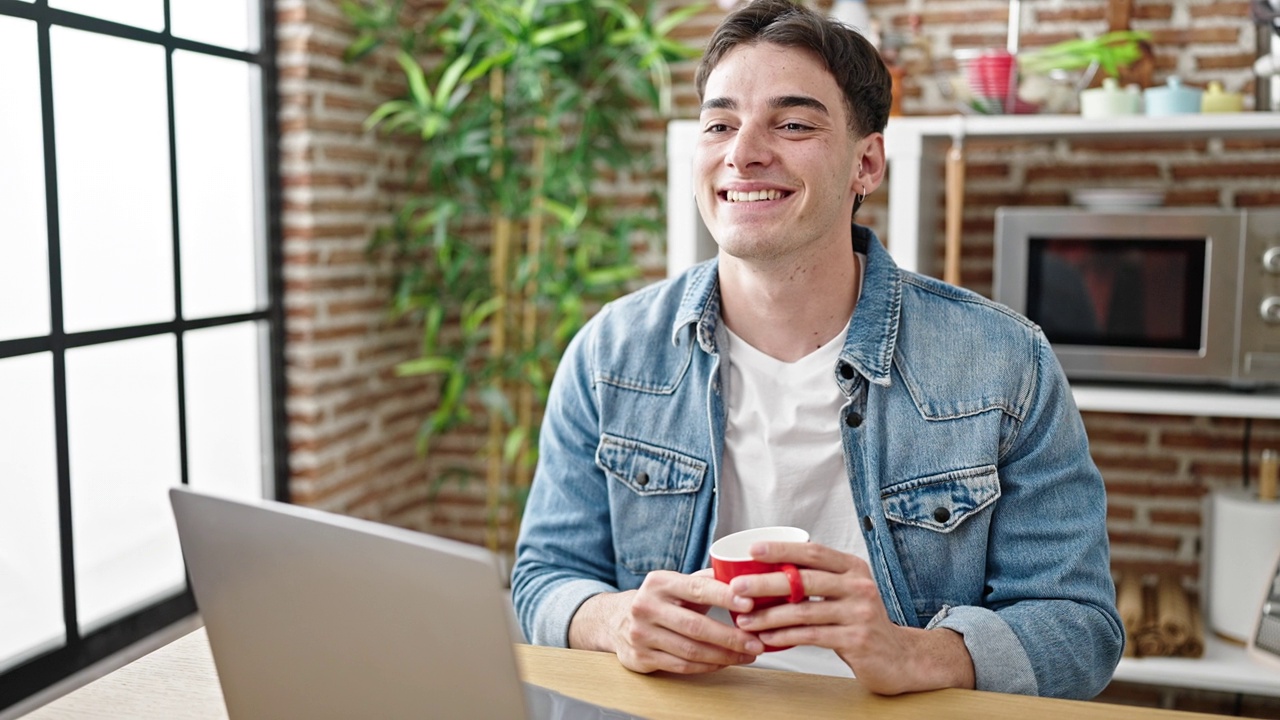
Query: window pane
{"points": [[122, 415], [229, 23], [224, 409], [24, 252], [217, 162], [30, 559], [110, 118], [148, 14]]}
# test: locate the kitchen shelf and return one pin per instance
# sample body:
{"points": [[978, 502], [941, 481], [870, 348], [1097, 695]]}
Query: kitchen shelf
{"points": [[1224, 667], [916, 146], [1166, 400]]}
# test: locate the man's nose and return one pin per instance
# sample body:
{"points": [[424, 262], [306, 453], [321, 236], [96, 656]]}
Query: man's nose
{"points": [[750, 147]]}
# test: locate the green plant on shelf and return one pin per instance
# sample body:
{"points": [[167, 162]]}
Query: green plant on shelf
{"points": [[1108, 53]]}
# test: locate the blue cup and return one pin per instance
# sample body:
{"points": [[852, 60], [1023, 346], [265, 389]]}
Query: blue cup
{"points": [[1172, 98]]}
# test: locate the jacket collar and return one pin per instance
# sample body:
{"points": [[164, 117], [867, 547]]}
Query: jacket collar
{"points": [[869, 344], [873, 334]]}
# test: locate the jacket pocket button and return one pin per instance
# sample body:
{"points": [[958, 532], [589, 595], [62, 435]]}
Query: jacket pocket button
{"points": [[642, 479], [853, 419], [942, 514]]}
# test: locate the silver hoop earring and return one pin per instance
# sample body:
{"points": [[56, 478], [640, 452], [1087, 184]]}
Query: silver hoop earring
{"points": [[860, 196]]}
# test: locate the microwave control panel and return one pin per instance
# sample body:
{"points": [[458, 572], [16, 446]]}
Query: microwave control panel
{"points": [[1270, 308], [1260, 316]]}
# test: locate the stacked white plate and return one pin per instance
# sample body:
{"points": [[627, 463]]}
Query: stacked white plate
{"points": [[1117, 198]]}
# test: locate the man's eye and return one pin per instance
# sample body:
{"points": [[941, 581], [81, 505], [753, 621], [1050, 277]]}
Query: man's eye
{"points": [[795, 126], [717, 128]]}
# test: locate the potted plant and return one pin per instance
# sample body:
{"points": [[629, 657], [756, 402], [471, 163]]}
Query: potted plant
{"points": [[515, 109], [1083, 63], [1109, 53]]}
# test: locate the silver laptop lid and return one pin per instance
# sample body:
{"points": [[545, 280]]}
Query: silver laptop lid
{"points": [[316, 615]]}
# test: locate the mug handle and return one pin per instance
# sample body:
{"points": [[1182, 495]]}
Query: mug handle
{"points": [[797, 584]]}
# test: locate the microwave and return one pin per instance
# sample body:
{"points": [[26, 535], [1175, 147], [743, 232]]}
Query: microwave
{"points": [[1167, 295]]}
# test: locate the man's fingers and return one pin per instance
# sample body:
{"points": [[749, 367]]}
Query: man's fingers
{"points": [[654, 660], [699, 632], [811, 555], [816, 583], [668, 618], [656, 648]]}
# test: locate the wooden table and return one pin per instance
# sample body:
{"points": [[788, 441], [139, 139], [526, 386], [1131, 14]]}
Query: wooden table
{"points": [[178, 682]]}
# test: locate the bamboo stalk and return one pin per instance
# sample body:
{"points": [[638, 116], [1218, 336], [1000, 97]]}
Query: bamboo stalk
{"points": [[529, 334], [501, 253]]}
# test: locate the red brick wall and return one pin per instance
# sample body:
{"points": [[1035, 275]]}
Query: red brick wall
{"points": [[352, 422], [1157, 470]]}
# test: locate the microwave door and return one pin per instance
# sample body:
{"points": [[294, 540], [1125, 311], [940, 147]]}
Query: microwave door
{"points": [[1126, 296]]}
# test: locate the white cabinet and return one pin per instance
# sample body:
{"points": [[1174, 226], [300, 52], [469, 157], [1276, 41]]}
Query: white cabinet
{"points": [[916, 148]]}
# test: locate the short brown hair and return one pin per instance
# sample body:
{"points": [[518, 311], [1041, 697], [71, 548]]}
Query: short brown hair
{"points": [[853, 61]]}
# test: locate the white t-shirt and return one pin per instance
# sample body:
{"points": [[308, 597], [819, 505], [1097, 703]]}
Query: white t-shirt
{"points": [[784, 464]]}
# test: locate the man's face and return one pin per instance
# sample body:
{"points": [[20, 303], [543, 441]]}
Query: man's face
{"points": [[776, 167]]}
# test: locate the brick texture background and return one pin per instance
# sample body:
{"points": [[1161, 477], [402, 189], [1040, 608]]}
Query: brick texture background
{"points": [[352, 422]]}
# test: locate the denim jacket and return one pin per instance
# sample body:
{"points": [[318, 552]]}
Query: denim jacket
{"points": [[969, 465]]}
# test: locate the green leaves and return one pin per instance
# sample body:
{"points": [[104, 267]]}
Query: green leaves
{"points": [[445, 99], [547, 36], [513, 109], [1111, 52], [369, 21], [426, 112], [425, 366]]}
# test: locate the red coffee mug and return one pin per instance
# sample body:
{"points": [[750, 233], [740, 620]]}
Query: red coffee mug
{"points": [[731, 557]]}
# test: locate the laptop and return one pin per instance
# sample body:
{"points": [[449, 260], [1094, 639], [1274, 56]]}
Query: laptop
{"points": [[311, 614]]}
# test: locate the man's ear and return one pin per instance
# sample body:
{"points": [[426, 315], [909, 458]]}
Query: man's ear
{"points": [[871, 164]]}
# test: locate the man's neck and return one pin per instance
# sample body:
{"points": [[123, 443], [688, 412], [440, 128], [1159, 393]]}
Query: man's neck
{"points": [[789, 310]]}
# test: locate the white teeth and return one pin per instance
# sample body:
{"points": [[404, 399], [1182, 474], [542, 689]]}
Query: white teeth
{"points": [[754, 195]]}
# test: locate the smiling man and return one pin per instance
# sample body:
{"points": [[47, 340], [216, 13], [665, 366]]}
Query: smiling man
{"points": [[923, 435]]}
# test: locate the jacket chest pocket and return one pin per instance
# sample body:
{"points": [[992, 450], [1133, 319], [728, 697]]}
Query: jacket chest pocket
{"points": [[652, 495], [940, 525]]}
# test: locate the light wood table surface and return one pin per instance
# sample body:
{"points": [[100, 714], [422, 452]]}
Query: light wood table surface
{"points": [[178, 682]]}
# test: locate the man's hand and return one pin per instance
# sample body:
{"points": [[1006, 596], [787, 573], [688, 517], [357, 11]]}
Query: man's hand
{"points": [[851, 619], [663, 625]]}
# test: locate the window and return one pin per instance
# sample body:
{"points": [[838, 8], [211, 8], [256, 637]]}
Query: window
{"points": [[140, 320]]}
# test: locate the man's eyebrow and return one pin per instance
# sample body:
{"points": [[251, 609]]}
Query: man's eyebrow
{"points": [[798, 101], [720, 103], [777, 103]]}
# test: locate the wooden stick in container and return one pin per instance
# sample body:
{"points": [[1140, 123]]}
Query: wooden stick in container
{"points": [[1173, 610], [1129, 603], [1149, 639], [1267, 474], [1194, 645], [954, 204]]}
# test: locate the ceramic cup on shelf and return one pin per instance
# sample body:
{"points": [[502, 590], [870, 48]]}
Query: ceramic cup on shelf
{"points": [[1217, 100], [992, 79], [1172, 98], [1110, 100]]}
